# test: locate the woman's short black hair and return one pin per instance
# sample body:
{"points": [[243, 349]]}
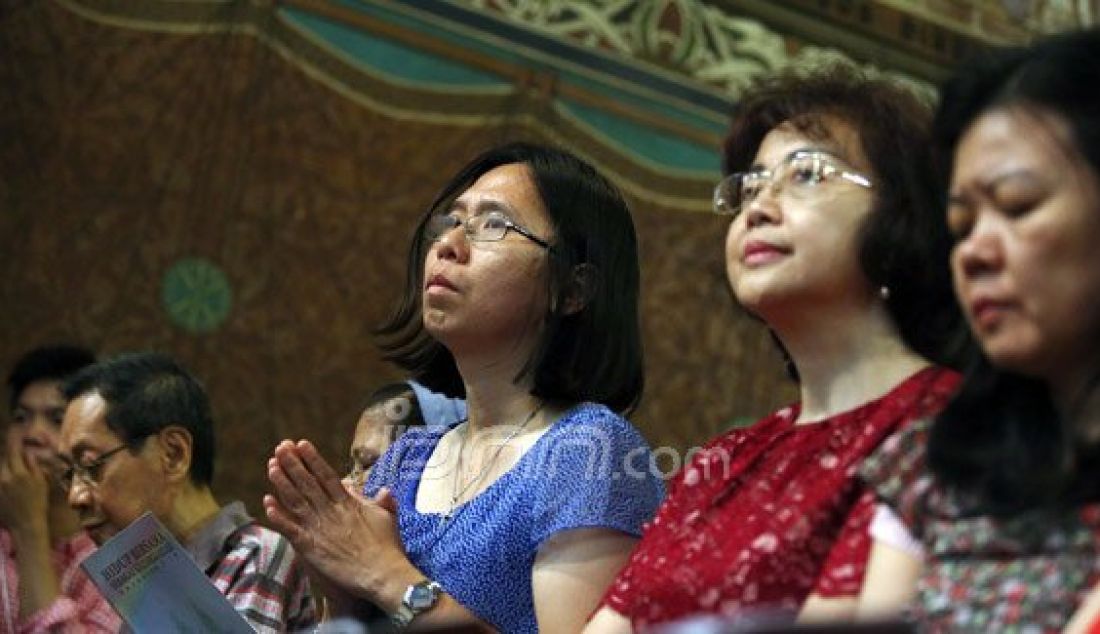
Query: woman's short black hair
{"points": [[594, 354], [1002, 438], [904, 243], [47, 363]]}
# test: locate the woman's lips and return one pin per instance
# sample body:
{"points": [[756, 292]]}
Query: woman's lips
{"points": [[757, 252], [986, 313], [439, 282]]}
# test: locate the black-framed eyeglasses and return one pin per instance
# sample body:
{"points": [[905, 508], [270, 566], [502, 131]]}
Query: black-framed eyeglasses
{"points": [[88, 473], [797, 175], [488, 226]]}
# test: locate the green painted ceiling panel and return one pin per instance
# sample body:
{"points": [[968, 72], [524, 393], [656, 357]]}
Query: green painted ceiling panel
{"points": [[707, 122], [704, 119], [401, 62], [660, 148]]}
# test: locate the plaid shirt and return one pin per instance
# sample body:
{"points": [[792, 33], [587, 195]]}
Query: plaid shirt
{"points": [[256, 569], [79, 608]]}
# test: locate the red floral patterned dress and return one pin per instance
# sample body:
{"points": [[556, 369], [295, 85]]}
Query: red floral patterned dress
{"points": [[765, 515], [1027, 573]]}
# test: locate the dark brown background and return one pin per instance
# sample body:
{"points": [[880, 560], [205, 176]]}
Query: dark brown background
{"points": [[123, 151]]}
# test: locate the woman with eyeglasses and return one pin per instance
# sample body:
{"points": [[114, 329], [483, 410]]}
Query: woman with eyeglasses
{"points": [[834, 243], [521, 295], [991, 518]]}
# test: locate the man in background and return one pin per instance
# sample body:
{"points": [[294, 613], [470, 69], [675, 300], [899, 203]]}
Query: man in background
{"points": [[138, 436]]}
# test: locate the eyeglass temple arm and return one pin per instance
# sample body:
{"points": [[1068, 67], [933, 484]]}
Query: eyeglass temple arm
{"points": [[862, 181]]}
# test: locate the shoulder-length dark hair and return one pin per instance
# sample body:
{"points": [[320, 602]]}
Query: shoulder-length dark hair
{"points": [[594, 354], [904, 243], [1002, 439]]}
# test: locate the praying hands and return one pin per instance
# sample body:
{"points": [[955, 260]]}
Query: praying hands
{"points": [[351, 544]]}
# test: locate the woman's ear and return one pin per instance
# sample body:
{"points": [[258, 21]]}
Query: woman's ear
{"points": [[176, 446], [580, 288]]}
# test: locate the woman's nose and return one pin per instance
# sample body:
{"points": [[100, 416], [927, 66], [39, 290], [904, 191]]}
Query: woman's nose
{"points": [[982, 250], [764, 209], [453, 244]]}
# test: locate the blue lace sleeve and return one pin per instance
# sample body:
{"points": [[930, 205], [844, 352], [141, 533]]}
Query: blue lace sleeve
{"points": [[596, 473]]}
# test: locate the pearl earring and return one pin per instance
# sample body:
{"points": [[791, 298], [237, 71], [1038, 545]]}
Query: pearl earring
{"points": [[884, 292]]}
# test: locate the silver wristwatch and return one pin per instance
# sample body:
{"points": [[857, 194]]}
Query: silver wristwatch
{"points": [[419, 597]]}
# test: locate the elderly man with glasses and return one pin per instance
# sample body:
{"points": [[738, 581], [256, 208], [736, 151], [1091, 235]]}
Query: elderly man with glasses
{"points": [[138, 436]]}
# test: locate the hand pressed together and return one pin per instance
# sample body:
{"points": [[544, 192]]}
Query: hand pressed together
{"points": [[351, 544]]}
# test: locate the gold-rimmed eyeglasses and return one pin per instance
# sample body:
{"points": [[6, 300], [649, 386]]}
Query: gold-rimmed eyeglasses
{"points": [[797, 175]]}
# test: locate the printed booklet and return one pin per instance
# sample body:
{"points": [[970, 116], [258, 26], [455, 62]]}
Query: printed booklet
{"points": [[155, 586]]}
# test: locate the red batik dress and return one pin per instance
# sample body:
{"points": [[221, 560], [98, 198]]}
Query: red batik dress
{"points": [[765, 515]]}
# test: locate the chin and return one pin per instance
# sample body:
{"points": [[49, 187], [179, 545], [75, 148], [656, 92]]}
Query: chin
{"points": [[1018, 359], [762, 301], [436, 321]]}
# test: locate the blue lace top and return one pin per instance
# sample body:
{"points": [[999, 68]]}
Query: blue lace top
{"points": [[590, 469]]}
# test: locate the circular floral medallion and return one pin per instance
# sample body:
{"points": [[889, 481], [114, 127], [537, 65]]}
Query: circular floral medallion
{"points": [[197, 295]]}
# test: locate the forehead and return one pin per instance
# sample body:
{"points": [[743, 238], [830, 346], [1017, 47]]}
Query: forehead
{"points": [[1005, 139], [85, 425], [44, 394], [372, 418], [826, 133], [512, 186]]}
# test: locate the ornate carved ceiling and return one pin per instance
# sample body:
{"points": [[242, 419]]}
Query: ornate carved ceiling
{"points": [[643, 87], [726, 41]]}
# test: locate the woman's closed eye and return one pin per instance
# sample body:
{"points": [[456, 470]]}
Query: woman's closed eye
{"points": [[960, 217], [1015, 198]]}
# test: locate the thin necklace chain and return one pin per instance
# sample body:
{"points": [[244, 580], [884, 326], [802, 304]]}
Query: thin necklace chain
{"points": [[456, 492]]}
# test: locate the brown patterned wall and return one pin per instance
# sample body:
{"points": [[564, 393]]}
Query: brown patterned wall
{"points": [[123, 151]]}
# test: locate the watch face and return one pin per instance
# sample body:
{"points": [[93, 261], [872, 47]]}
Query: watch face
{"points": [[422, 597]]}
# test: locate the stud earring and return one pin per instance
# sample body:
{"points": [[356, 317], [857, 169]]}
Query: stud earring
{"points": [[884, 292]]}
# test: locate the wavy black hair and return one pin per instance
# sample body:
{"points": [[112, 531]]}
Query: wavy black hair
{"points": [[1002, 439]]}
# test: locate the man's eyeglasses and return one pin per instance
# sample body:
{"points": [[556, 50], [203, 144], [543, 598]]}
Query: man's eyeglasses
{"points": [[797, 175], [489, 226], [88, 473]]}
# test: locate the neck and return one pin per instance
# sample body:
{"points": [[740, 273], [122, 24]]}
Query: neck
{"points": [[493, 397], [846, 357], [191, 510]]}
